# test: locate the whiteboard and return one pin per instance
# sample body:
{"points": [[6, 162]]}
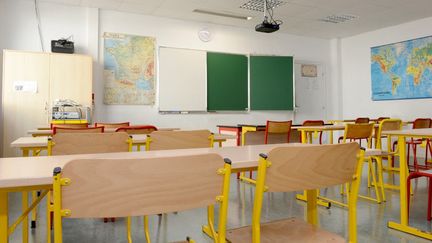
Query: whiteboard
{"points": [[182, 79]]}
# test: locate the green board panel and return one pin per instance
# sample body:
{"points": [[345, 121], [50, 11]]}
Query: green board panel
{"points": [[227, 82], [271, 83]]}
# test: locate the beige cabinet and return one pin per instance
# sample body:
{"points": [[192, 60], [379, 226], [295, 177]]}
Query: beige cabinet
{"points": [[31, 83]]}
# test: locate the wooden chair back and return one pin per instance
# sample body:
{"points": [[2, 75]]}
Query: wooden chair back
{"points": [[379, 119], [362, 120], [311, 167], [88, 143], [78, 130], [313, 123], [358, 131], [147, 129], [422, 123], [136, 189], [386, 125], [164, 140], [277, 130], [78, 125], [112, 125]]}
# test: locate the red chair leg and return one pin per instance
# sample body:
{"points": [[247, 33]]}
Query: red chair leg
{"points": [[429, 200], [408, 154], [250, 174], [238, 175]]}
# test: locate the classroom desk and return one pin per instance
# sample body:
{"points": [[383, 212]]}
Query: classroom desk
{"points": [[403, 225], [315, 129], [23, 174], [241, 132], [35, 144], [48, 132]]}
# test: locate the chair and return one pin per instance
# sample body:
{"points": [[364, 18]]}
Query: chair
{"points": [[359, 120], [165, 140], [87, 143], [112, 125], [84, 189], [279, 130], [362, 120], [360, 131], [379, 119], [137, 129], [279, 171], [385, 125], [313, 123], [72, 125], [78, 130], [418, 124]]}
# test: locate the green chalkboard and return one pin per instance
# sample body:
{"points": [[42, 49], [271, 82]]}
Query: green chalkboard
{"points": [[227, 82], [271, 83]]}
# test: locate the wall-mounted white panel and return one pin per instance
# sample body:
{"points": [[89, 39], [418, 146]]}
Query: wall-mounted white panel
{"points": [[182, 79]]}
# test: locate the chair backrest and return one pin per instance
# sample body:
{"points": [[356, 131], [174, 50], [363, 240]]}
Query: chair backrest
{"points": [[422, 123], [147, 129], [277, 129], [313, 123], [78, 130], [136, 189], [361, 120], [112, 125], [379, 119], [163, 140], [88, 143], [310, 167], [358, 131], [72, 125], [386, 125]]}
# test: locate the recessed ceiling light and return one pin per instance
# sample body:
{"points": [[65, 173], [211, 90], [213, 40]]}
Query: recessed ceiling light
{"points": [[222, 14], [339, 18]]}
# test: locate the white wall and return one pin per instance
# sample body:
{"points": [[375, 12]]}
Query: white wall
{"points": [[19, 31], [355, 66], [183, 34]]}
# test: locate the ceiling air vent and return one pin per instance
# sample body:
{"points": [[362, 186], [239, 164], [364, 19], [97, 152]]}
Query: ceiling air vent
{"points": [[258, 5], [339, 18]]}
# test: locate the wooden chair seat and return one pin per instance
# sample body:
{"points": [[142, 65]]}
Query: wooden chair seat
{"points": [[285, 230]]}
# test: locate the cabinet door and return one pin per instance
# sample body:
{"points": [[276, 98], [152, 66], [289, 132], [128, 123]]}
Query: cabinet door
{"points": [[71, 78], [24, 108]]}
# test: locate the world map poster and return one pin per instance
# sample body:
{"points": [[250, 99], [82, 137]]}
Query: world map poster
{"points": [[402, 70], [129, 69]]}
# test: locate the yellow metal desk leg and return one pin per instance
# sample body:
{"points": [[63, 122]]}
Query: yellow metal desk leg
{"points": [[312, 211], [331, 137], [34, 212], [25, 201], [25, 152], [4, 220], [403, 175]]}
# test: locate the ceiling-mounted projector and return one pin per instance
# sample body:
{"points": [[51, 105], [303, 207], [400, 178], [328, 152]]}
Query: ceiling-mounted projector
{"points": [[268, 25]]}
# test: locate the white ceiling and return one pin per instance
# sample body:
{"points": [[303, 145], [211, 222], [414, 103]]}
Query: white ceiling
{"points": [[300, 17]]}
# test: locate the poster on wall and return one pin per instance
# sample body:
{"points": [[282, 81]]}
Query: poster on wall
{"points": [[402, 70], [129, 69]]}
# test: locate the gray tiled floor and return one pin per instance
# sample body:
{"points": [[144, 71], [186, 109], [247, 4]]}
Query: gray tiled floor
{"points": [[372, 218]]}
